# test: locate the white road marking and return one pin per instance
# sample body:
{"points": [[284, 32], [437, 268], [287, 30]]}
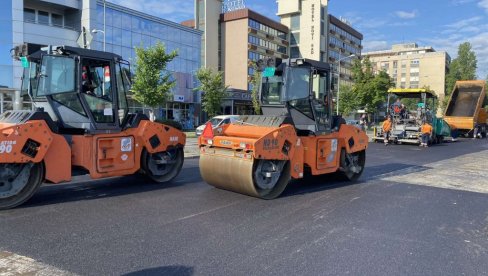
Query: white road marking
{"points": [[12, 265], [467, 172]]}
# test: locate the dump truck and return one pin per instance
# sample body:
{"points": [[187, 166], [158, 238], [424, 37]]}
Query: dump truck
{"points": [[412, 107], [90, 132], [465, 111], [296, 136]]}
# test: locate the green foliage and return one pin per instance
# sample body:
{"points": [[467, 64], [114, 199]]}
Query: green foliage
{"points": [[462, 68], [256, 82], [347, 101], [171, 123], [213, 88], [152, 84], [369, 89]]}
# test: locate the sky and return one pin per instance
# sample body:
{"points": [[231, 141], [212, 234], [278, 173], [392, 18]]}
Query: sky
{"points": [[442, 24]]}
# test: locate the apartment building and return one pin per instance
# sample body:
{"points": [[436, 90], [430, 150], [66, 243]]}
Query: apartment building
{"points": [[344, 45], [234, 42], [411, 66], [317, 35]]}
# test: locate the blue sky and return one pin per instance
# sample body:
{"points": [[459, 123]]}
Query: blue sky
{"points": [[442, 24]]}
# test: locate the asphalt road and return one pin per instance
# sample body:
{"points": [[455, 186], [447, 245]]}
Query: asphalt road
{"points": [[379, 226]]}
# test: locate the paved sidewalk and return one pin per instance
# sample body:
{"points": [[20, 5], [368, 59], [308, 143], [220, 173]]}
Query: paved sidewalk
{"points": [[191, 148]]}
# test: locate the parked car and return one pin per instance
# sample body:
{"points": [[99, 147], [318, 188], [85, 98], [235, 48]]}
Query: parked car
{"points": [[217, 121]]}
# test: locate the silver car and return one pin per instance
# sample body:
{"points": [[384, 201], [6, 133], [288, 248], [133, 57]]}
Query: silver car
{"points": [[217, 121]]}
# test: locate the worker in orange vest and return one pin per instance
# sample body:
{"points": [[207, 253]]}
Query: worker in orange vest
{"points": [[426, 131], [387, 129]]}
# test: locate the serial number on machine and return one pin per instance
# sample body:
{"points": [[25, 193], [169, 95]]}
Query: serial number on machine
{"points": [[6, 146]]}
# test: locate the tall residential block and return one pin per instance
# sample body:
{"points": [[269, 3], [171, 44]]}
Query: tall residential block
{"points": [[411, 66]]}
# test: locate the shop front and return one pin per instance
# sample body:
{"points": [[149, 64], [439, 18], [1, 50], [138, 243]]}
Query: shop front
{"points": [[237, 102]]}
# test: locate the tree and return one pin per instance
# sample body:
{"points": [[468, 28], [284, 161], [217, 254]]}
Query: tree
{"points": [[213, 88], [152, 84], [256, 82], [348, 102], [462, 68], [370, 89]]}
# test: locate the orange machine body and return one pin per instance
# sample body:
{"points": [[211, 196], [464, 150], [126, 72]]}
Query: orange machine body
{"points": [[320, 153], [102, 155]]}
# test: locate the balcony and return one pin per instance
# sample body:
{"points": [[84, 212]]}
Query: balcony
{"points": [[75, 4], [49, 35], [252, 31], [252, 47]]}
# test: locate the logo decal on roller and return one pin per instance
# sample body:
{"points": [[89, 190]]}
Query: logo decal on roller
{"points": [[124, 157], [126, 144]]}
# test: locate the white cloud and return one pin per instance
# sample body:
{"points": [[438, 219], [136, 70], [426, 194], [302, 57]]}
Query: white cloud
{"points": [[375, 45], [406, 15], [373, 23], [464, 23], [167, 9], [461, 2], [483, 4], [479, 43]]}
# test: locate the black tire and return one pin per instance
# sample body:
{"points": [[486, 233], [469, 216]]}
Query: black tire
{"points": [[33, 182], [280, 184], [159, 172], [345, 165]]}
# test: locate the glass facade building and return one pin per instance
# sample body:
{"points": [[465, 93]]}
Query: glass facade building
{"points": [[6, 43], [126, 29], [59, 22]]}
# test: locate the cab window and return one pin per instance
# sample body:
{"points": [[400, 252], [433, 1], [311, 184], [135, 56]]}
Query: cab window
{"points": [[97, 90]]}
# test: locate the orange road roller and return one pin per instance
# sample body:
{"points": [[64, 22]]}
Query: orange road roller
{"points": [[297, 135], [87, 128]]}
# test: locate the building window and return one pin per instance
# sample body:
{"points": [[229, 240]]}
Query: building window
{"points": [[57, 20], [295, 38], [295, 22], [294, 52], [29, 15], [282, 49], [43, 17]]}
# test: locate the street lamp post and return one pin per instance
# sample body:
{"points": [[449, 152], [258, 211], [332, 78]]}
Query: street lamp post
{"points": [[339, 80], [103, 32]]}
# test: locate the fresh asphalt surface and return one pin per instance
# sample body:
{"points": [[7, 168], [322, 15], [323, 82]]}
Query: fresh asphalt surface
{"points": [[375, 227]]}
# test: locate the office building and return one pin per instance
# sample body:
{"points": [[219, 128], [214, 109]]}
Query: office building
{"points": [[344, 45], [207, 15], [242, 37], [315, 34], [411, 66], [59, 22]]}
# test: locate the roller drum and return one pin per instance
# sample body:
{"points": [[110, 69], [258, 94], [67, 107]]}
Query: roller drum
{"points": [[239, 175]]}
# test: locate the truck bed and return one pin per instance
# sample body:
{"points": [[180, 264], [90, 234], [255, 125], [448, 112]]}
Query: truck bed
{"points": [[464, 101]]}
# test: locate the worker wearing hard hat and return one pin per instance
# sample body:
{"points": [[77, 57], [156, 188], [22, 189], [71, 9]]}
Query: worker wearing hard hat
{"points": [[426, 131], [387, 129]]}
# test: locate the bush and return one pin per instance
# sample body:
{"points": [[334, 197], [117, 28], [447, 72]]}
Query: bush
{"points": [[171, 123]]}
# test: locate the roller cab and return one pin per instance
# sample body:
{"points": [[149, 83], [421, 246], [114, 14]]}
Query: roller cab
{"points": [[296, 135], [84, 128]]}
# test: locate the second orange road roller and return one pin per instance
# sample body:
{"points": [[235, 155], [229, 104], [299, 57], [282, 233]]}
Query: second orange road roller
{"points": [[297, 135]]}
